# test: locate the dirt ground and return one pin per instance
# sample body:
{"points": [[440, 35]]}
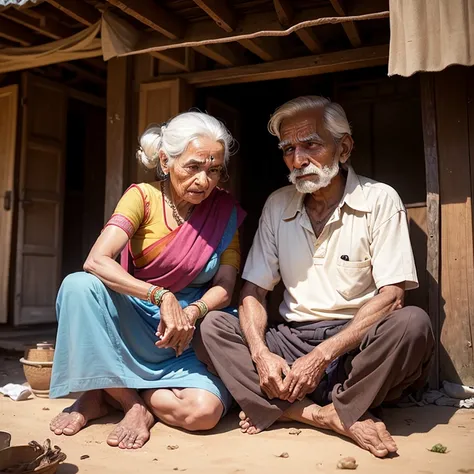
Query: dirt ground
{"points": [[226, 450]]}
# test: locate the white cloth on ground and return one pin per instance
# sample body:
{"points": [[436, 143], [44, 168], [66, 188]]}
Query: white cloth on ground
{"points": [[16, 391]]}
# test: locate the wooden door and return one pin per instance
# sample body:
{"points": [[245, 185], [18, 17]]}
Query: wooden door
{"points": [[8, 121], [230, 116], [159, 102], [41, 191]]}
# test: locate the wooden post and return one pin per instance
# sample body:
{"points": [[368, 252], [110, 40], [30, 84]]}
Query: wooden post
{"points": [[457, 256], [118, 97], [430, 139]]}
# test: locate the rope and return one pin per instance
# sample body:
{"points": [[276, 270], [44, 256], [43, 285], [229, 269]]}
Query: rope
{"points": [[304, 24]]}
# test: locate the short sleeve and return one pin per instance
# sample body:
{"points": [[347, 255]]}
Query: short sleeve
{"points": [[262, 267], [392, 254], [231, 255], [130, 211]]}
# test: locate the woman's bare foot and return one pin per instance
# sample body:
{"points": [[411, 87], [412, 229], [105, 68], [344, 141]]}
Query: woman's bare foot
{"points": [[369, 432], [246, 425], [89, 406], [134, 430]]}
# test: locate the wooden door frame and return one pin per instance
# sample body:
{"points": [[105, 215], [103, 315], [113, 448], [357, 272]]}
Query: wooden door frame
{"points": [[5, 284]]}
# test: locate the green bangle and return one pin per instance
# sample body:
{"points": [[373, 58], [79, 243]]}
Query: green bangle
{"points": [[159, 296]]}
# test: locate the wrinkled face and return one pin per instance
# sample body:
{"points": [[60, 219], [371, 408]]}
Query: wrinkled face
{"points": [[197, 171], [310, 151]]}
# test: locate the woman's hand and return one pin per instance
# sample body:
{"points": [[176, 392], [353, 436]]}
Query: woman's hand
{"points": [[175, 329]]}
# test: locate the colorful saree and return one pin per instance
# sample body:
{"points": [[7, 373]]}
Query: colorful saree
{"points": [[107, 340]]}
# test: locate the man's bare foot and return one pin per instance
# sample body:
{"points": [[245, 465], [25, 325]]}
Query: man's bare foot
{"points": [[369, 432], [134, 430], [89, 406]]}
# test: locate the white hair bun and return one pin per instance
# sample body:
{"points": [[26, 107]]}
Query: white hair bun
{"points": [[150, 144]]}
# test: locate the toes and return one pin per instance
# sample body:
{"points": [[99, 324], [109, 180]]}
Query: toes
{"points": [[386, 438], [140, 441], [116, 436], [124, 442], [242, 415]]}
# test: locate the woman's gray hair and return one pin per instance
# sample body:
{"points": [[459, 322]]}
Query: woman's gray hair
{"points": [[335, 119], [174, 137]]}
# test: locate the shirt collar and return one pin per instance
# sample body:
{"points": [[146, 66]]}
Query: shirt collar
{"points": [[353, 196]]}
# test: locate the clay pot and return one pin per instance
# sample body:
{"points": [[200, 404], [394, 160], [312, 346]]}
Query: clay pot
{"points": [[38, 366]]}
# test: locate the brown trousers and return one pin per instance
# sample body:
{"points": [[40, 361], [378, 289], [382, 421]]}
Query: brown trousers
{"points": [[393, 359]]}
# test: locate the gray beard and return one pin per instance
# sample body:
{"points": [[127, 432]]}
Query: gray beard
{"points": [[322, 179]]}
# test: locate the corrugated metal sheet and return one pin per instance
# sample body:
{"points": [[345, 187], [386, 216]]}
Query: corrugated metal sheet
{"points": [[18, 3]]}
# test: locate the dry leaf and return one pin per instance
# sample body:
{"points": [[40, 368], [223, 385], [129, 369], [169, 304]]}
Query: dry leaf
{"points": [[45, 408], [172, 447], [347, 463], [84, 456], [294, 431], [284, 455]]}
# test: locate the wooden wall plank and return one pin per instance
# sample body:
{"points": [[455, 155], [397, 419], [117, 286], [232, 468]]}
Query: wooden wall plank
{"points": [[430, 140], [457, 261], [118, 96]]}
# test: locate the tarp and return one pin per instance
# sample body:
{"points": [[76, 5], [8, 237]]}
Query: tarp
{"points": [[84, 44], [429, 35]]}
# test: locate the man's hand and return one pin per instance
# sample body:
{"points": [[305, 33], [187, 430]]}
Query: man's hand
{"points": [[271, 368], [305, 375]]}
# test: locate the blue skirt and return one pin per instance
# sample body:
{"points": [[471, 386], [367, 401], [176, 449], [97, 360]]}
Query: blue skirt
{"points": [[107, 340]]}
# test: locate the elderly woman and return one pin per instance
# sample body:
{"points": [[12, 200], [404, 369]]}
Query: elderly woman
{"points": [[124, 330]]}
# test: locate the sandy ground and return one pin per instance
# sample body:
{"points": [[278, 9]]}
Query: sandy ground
{"points": [[226, 450]]}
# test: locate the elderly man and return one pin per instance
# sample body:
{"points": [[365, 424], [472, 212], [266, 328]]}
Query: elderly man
{"points": [[340, 244]]}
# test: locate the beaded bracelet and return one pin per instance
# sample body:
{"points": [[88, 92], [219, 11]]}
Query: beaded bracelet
{"points": [[202, 307]]}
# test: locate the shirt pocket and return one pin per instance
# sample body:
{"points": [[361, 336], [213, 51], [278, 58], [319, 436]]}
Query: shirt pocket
{"points": [[353, 278]]}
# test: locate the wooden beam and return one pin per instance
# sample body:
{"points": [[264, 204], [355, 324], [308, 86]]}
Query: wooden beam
{"points": [[430, 140], [296, 67], [152, 15], [350, 27], [225, 54], [285, 14], [311, 41], [178, 58], [119, 90], [81, 11], [49, 27], [267, 49], [284, 11], [17, 33], [220, 12]]}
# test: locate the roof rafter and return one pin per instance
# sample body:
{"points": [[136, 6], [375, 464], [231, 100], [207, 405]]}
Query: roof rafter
{"points": [[17, 33], [48, 27], [220, 12], [225, 54], [80, 11], [350, 27], [224, 16], [152, 15], [285, 14]]}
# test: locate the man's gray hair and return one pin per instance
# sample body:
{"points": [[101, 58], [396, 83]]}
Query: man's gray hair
{"points": [[335, 119]]}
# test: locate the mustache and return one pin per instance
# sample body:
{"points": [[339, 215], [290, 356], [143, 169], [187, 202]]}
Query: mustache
{"points": [[310, 169]]}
